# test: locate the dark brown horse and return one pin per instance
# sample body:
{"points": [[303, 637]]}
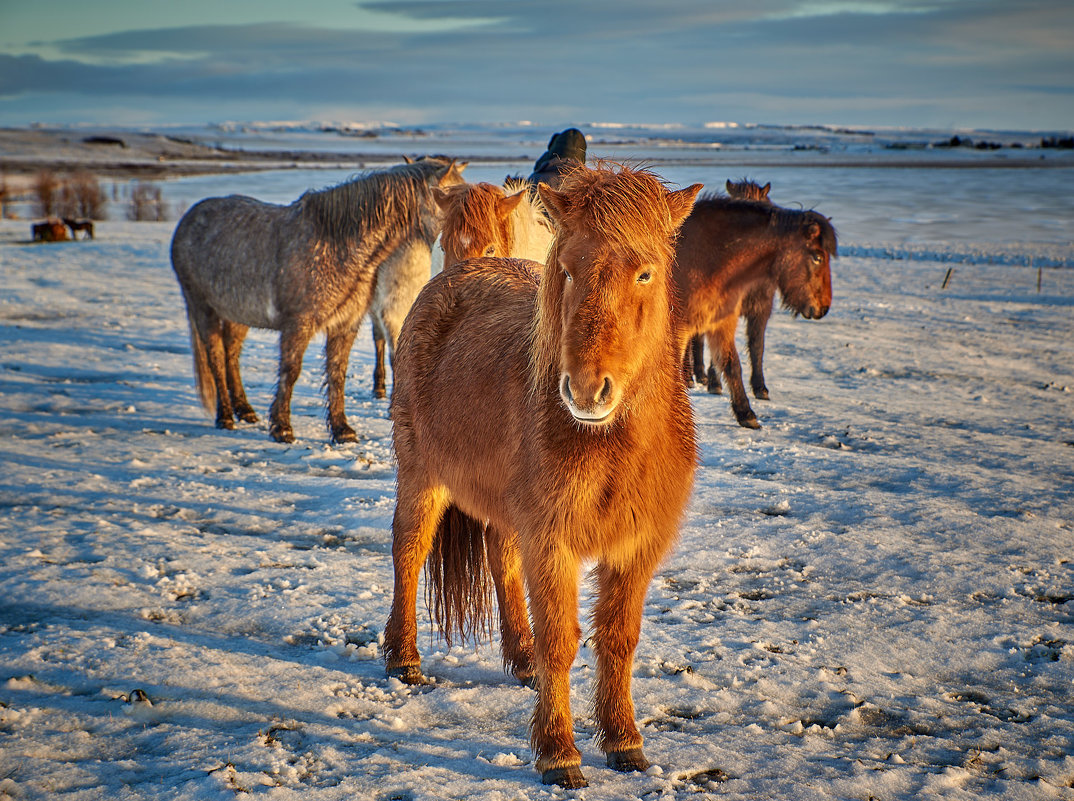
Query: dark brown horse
{"points": [[756, 310], [296, 269], [86, 226], [728, 248], [532, 422]]}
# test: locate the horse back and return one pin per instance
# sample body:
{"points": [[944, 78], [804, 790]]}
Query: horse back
{"points": [[225, 253]]}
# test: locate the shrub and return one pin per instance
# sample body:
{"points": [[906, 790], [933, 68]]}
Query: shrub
{"points": [[83, 198], [147, 203], [47, 193]]}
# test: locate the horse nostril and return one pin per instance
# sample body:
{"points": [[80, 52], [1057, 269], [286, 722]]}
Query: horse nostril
{"points": [[565, 388], [605, 391]]}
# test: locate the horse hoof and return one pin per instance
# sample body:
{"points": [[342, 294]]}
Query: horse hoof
{"points": [[715, 389], [247, 415], [408, 674], [629, 760], [227, 424], [280, 434], [761, 394], [528, 681], [380, 393], [570, 777], [345, 434], [749, 421]]}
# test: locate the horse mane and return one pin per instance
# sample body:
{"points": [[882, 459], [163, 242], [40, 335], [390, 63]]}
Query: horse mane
{"points": [[782, 220], [344, 213], [529, 221], [597, 200]]}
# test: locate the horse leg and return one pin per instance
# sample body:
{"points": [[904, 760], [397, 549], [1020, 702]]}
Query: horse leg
{"points": [[516, 640], [713, 380], [552, 576], [756, 323], [234, 335], [617, 625], [688, 365], [337, 353], [210, 329], [293, 344], [732, 370], [417, 515], [380, 378], [697, 348]]}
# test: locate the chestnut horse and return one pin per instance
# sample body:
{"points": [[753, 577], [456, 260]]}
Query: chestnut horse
{"points": [[727, 247], [488, 220], [532, 423]]}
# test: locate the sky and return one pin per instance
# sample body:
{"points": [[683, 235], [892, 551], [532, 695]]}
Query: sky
{"points": [[993, 64]]}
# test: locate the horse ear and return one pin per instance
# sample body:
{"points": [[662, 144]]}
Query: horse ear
{"points": [[506, 205], [556, 203], [812, 231], [681, 203], [408, 160], [730, 186], [442, 198], [451, 174], [765, 189]]}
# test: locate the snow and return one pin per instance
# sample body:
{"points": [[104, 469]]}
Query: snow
{"points": [[873, 595]]}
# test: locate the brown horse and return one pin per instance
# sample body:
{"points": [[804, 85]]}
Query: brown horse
{"points": [[532, 422], [756, 310], [297, 269], [51, 230], [727, 248], [488, 220]]}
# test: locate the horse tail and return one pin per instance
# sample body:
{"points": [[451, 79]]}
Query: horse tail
{"points": [[458, 590], [203, 377]]}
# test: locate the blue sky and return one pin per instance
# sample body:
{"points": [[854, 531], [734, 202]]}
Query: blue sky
{"points": [[1001, 64]]}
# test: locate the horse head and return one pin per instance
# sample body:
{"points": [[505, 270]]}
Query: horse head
{"points": [[805, 277], [605, 303], [748, 190], [476, 221]]}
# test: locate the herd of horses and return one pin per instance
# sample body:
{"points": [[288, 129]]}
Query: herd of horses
{"points": [[540, 406], [55, 229]]}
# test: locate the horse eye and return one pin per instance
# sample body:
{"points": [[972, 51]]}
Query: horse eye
{"points": [[568, 275], [490, 250], [645, 277], [817, 258]]}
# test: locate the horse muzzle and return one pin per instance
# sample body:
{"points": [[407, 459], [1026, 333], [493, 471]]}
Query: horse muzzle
{"points": [[590, 405]]}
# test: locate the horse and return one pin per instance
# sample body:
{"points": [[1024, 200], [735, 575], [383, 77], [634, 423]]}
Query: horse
{"points": [[727, 247], [756, 309], [400, 277], [86, 226], [488, 220], [297, 269], [51, 230], [533, 431]]}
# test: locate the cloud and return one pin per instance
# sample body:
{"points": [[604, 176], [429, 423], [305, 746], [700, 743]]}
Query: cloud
{"points": [[690, 60]]}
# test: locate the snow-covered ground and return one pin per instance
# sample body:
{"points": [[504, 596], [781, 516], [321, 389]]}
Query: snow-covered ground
{"points": [[873, 595]]}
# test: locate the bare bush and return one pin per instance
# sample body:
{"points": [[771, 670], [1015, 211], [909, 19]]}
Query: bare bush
{"points": [[47, 193], [147, 203], [83, 198]]}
